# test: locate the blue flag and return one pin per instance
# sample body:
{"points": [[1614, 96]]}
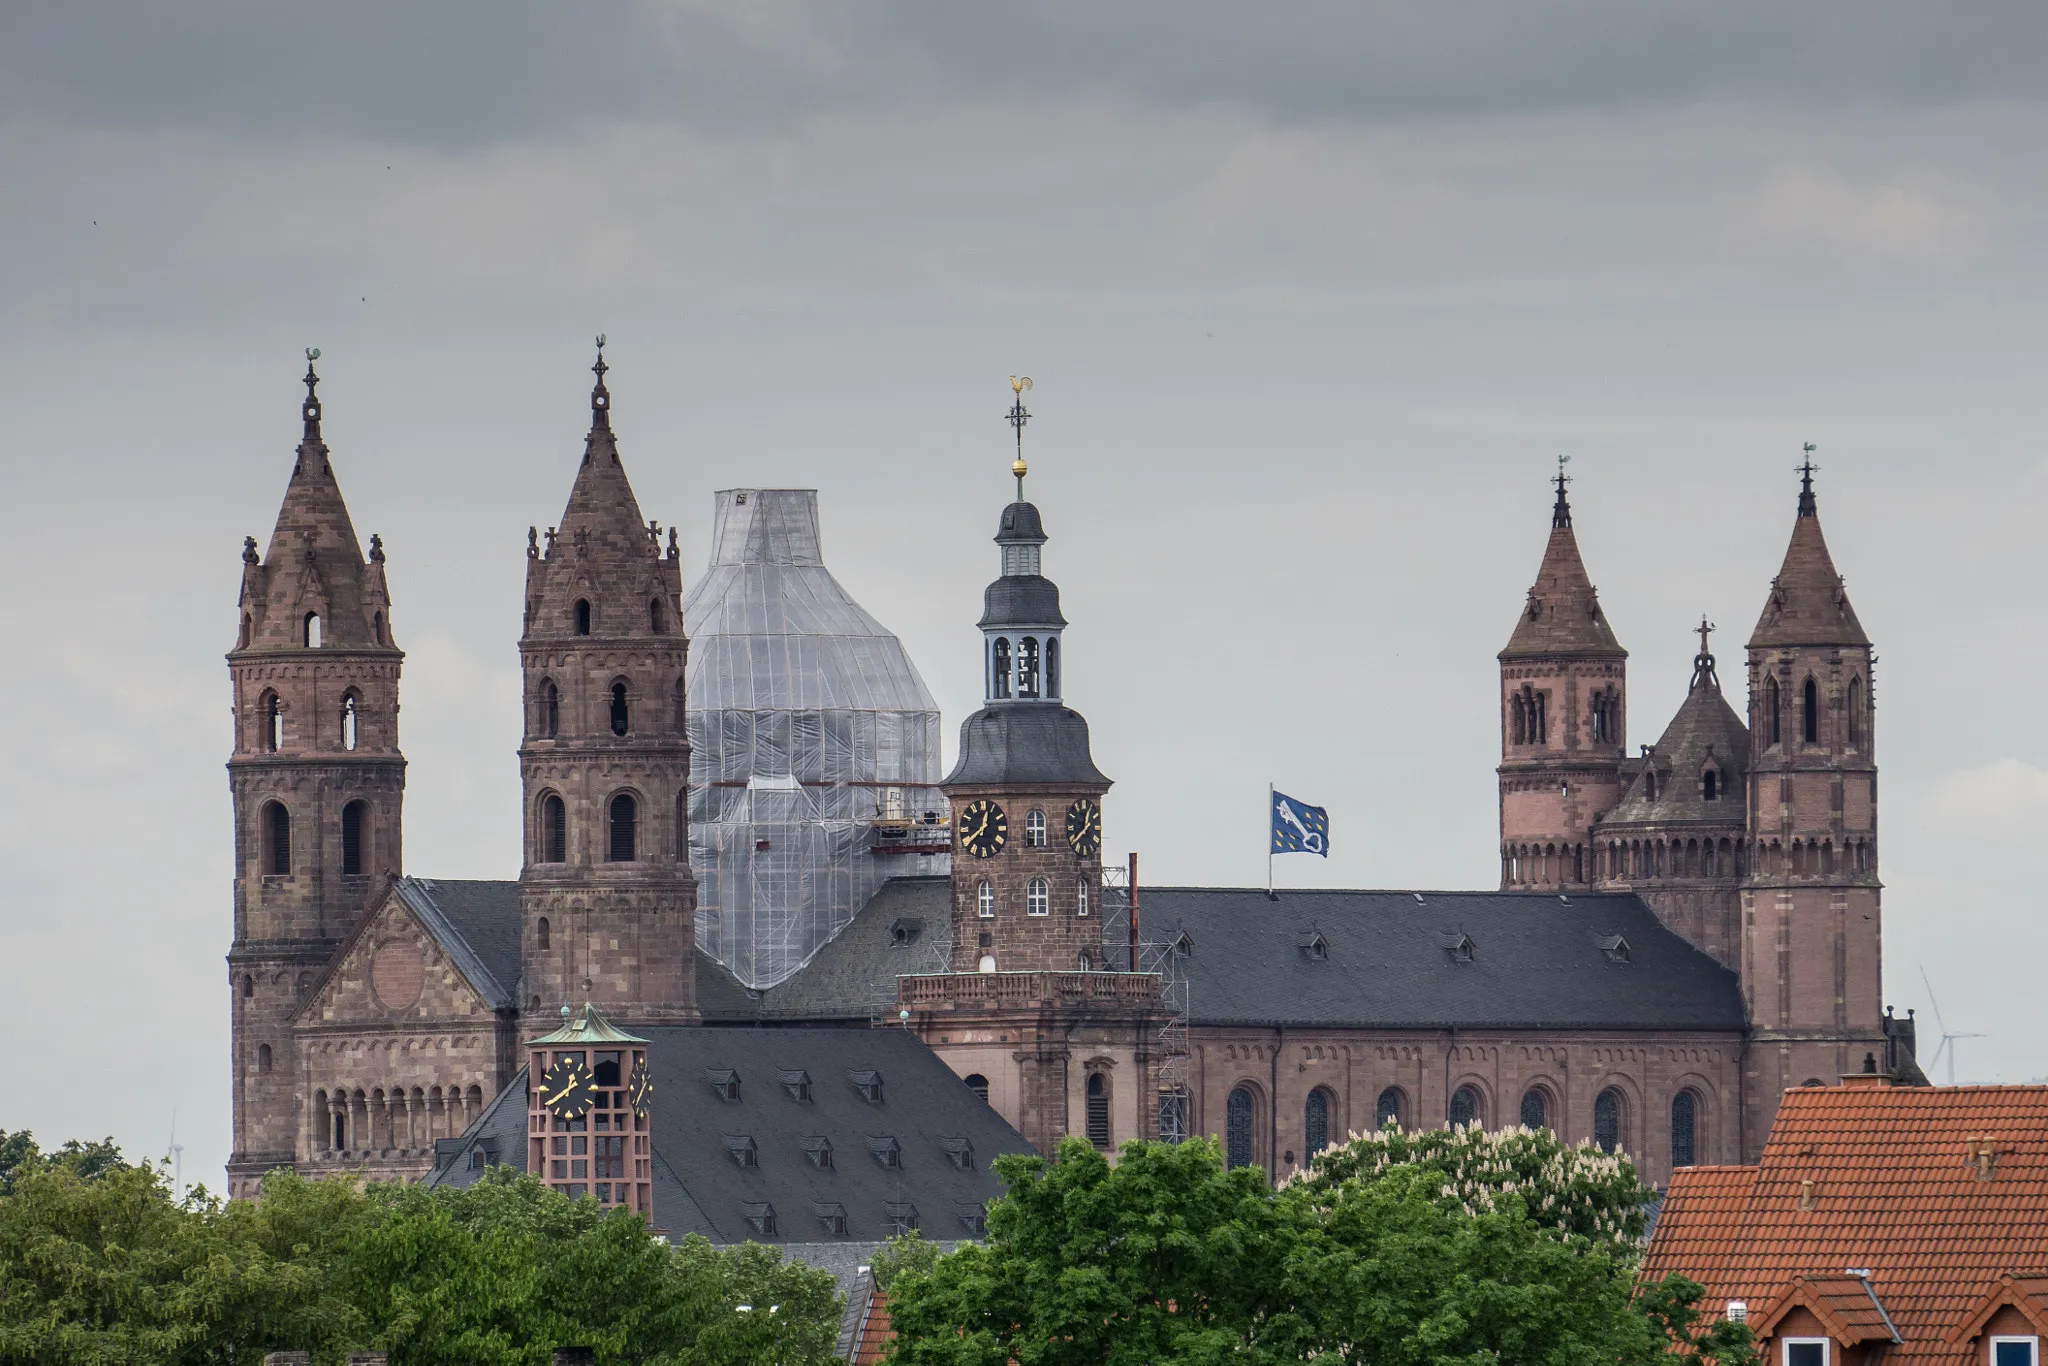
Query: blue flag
{"points": [[1299, 828]]}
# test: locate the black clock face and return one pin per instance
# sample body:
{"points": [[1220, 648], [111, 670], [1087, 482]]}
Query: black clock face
{"points": [[566, 1092], [983, 828], [1084, 827], [640, 1088]]}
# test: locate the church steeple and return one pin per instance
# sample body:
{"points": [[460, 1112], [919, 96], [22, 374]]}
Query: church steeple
{"points": [[1563, 695], [1808, 604], [316, 776], [609, 902]]}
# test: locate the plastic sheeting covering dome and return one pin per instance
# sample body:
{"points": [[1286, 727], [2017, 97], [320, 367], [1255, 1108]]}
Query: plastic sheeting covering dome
{"points": [[814, 742]]}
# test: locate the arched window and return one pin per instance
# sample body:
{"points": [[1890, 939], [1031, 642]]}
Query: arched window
{"points": [[1535, 1108], [1855, 716], [978, 1084], [377, 627], [582, 616], [340, 1127], [682, 710], [554, 829], [277, 840], [1684, 1117], [270, 712], [1390, 1108], [1315, 1124], [348, 721], [1810, 713], [985, 901], [999, 669], [263, 1057], [1052, 666], [248, 629], [1772, 711], [1541, 732], [312, 634], [1081, 896], [657, 621], [1710, 785], [1465, 1107], [549, 723], [625, 831], [248, 986], [619, 711], [1034, 829], [1237, 1128], [541, 939], [355, 838], [1098, 1110], [987, 964], [1518, 727], [1027, 667], [1607, 1120], [1038, 897], [683, 826]]}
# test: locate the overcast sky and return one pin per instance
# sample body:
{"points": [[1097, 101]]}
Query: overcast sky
{"points": [[1313, 295]]}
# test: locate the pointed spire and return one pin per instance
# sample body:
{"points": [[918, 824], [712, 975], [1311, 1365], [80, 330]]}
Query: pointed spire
{"points": [[311, 409], [1563, 613], [1808, 604], [602, 525], [600, 397]]}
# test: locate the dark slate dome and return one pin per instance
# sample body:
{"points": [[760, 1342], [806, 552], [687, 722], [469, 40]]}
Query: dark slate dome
{"points": [[1025, 742], [1020, 523], [1705, 730], [1021, 600]]}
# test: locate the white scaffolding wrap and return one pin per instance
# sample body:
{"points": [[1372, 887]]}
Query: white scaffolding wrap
{"points": [[814, 744]]}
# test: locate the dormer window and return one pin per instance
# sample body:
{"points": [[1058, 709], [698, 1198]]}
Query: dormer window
{"points": [[973, 1217], [1804, 1351], [960, 1151], [903, 933], [817, 1151], [740, 1148], [2016, 1351], [1184, 945], [831, 1217], [888, 1154], [1613, 947], [798, 1084], [868, 1085], [724, 1082], [901, 1219], [760, 1217], [1315, 947], [1458, 947]]}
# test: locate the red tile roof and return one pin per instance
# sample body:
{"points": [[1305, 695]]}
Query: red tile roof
{"points": [[1936, 1192]]}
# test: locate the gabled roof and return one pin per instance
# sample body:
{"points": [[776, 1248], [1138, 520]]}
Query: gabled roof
{"points": [[1891, 1180], [698, 1186], [1846, 1305], [477, 923]]}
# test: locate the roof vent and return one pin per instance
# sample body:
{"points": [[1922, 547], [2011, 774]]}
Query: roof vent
{"points": [[1981, 1156], [1738, 1311], [1418, 898], [724, 1081], [868, 1083]]}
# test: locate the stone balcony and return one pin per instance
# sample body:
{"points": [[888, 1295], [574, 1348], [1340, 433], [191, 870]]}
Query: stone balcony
{"points": [[983, 990]]}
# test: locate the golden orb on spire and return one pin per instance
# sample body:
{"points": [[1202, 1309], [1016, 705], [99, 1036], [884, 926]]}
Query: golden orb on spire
{"points": [[1019, 468]]}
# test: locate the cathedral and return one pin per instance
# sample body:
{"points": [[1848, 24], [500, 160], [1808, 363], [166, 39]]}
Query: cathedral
{"points": [[1680, 934]]}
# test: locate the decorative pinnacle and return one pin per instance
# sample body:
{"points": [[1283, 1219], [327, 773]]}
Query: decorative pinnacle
{"points": [[310, 410], [1806, 468], [1703, 662], [600, 397], [1561, 514], [1017, 417]]}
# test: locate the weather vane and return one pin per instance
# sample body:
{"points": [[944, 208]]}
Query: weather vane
{"points": [[1017, 417], [1562, 477], [1806, 469]]}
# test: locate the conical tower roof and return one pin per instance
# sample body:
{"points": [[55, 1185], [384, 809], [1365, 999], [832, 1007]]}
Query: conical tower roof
{"points": [[1563, 615], [1808, 605], [603, 515], [1669, 786]]}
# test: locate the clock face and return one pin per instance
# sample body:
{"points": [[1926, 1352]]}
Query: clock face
{"points": [[640, 1088], [1084, 827], [983, 828], [566, 1092]]}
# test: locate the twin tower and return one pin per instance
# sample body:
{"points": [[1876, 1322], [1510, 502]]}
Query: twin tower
{"points": [[1756, 839]]}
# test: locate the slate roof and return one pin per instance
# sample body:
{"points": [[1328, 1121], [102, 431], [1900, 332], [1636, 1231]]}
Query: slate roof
{"points": [[1021, 600], [477, 923], [1025, 742], [1537, 960], [1563, 613], [1895, 1191], [1706, 727], [1020, 522], [1808, 604], [699, 1187], [854, 976]]}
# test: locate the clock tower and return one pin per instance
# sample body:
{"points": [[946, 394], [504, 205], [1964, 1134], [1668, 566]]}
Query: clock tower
{"points": [[589, 1095]]}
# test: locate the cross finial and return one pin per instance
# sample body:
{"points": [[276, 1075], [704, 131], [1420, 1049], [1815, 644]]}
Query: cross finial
{"points": [[1806, 469], [1703, 662], [1017, 417], [310, 409], [1561, 514], [600, 397]]}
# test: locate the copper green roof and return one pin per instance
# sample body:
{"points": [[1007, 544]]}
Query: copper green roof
{"points": [[587, 1027]]}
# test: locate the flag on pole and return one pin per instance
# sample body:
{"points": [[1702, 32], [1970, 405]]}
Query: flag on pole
{"points": [[1299, 828]]}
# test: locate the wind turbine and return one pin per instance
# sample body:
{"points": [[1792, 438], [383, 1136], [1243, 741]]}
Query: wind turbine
{"points": [[1947, 1039]]}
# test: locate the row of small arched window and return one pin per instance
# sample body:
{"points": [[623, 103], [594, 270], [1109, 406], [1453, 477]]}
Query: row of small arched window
{"points": [[311, 633], [546, 720], [584, 617], [274, 839], [1022, 674], [1771, 710], [357, 1121], [1545, 864], [622, 842], [1467, 1106], [270, 721]]}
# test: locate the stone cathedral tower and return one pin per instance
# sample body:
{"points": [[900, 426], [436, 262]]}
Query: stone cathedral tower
{"points": [[1563, 712], [1810, 916], [316, 776], [608, 904]]}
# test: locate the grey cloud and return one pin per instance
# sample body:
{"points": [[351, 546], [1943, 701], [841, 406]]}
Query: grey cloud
{"points": [[464, 72]]}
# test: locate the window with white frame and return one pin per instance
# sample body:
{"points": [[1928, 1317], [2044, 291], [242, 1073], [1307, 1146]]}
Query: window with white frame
{"points": [[1803, 1352], [985, 901], [1038, 897], [2015, 1351], [1034, 829], [1081, 896]]}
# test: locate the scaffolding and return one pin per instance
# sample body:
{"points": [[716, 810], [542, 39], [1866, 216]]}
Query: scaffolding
{"points": [[1124, 943], [815, 755]]}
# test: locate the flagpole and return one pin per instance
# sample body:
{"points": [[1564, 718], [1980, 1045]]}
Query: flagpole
{"points": [[1269, 841]]}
